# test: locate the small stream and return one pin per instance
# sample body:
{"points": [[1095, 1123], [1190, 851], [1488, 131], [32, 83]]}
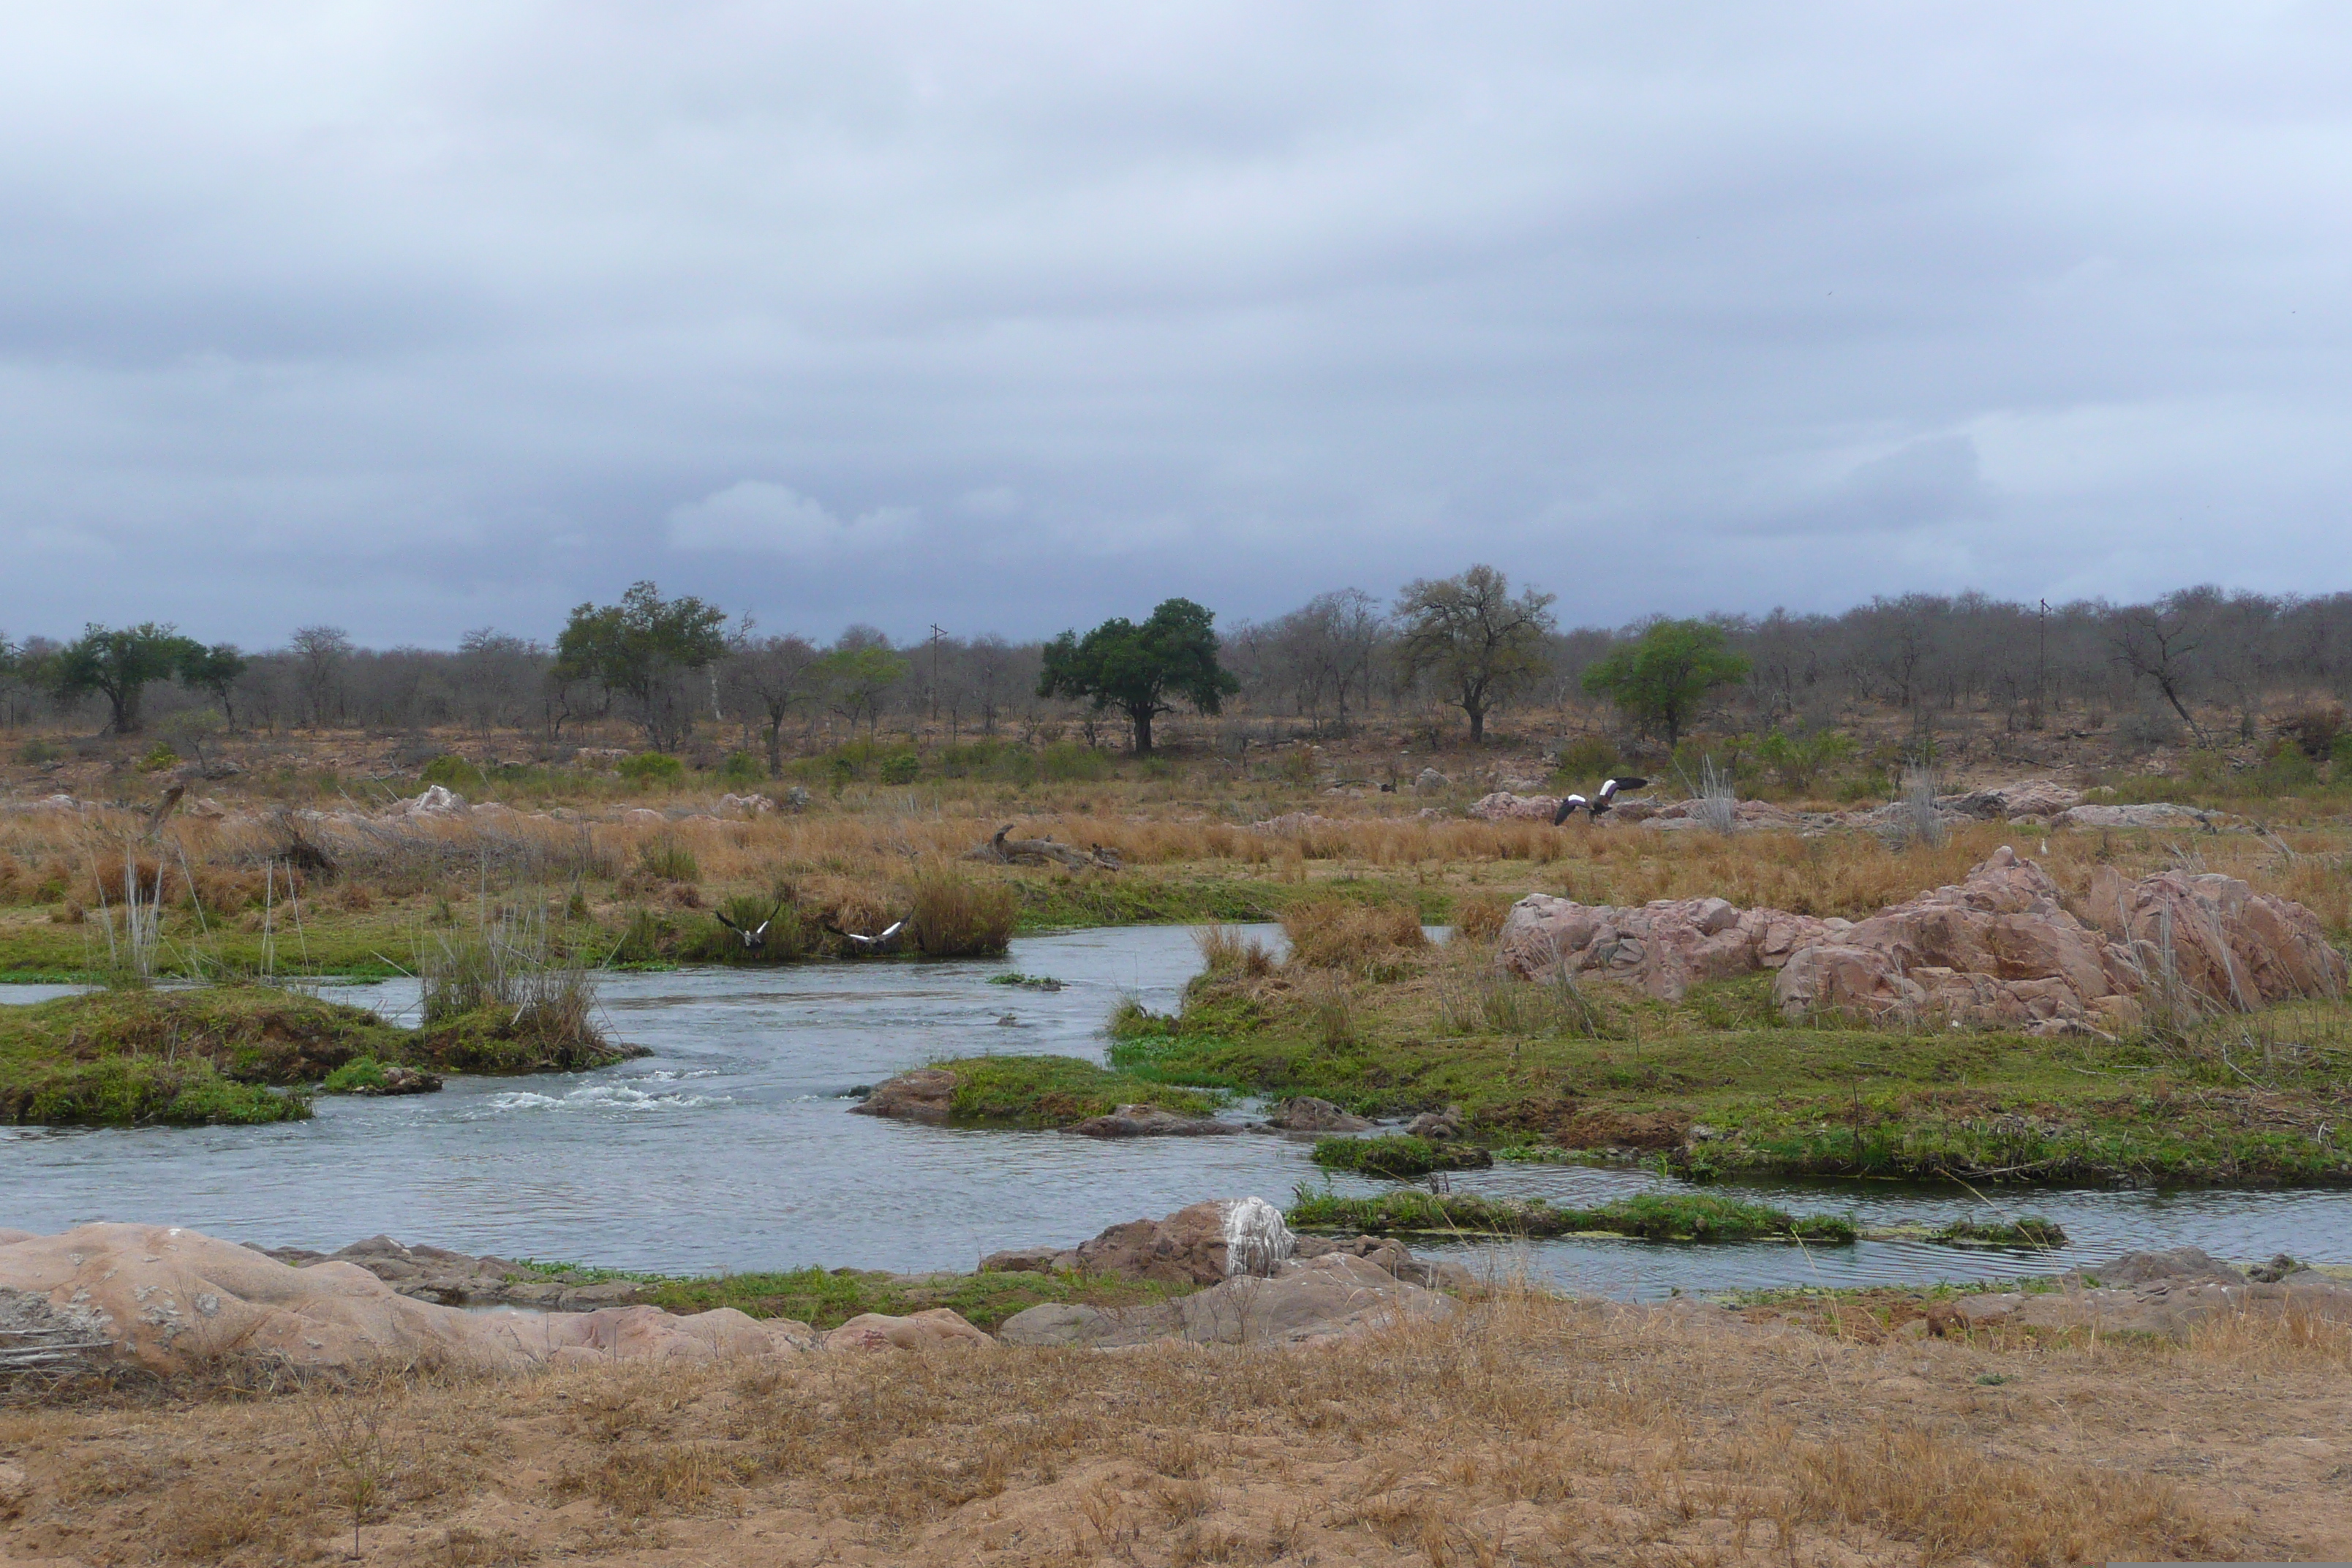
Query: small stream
{"points": [[730, 1149]]}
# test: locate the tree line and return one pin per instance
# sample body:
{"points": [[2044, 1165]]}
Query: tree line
{"points": [[2201, 661]]}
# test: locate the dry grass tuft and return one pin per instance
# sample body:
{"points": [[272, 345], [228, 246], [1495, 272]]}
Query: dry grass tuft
{"points": [[957, 915], [1225, 951], [1337, 933]]}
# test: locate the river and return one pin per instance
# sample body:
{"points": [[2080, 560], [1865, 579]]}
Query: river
{"points": [[731, 1148]]}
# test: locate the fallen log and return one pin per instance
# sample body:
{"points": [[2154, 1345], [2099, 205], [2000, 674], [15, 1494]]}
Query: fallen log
{"points": [[1004, 851]]}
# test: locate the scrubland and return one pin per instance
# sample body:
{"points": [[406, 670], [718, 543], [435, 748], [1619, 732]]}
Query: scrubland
{"points": [[1541, 1431]]}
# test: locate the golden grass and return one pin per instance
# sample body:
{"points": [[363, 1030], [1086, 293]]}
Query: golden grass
{"points": [[1544, 1431], [1334, 934]]}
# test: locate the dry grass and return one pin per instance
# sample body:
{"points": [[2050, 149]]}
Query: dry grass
{"points": [[957, 915], [1338, 934], [1547, 1432], [1225, 951]]}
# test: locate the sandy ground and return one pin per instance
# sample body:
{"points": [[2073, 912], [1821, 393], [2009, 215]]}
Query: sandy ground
{"points": [[1546, 1432]]}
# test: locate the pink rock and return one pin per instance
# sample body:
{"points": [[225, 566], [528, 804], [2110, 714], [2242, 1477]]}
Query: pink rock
{"points": [[937, 1329], [1504, 806], [1663, 948]]}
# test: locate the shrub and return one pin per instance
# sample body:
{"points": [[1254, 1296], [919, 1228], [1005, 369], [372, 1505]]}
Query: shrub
{"points": [[664, 856], [1332, 934], [899, 768], [358, 1076], [33, 753], [650, 770], [1585, 759], [1069, 762], [958, 916], [742, 768], [789, 936], [159, 757], [451, 770]]}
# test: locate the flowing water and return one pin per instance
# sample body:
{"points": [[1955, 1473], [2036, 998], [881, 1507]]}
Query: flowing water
{"points": [[731, 1148]]}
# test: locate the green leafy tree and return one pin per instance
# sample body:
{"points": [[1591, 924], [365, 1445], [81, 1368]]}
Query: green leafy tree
{"points": [[1479, 645], [216, 669], [1660, 679], [854, 679], [119, 665], [1138, 669], [642, 648]]}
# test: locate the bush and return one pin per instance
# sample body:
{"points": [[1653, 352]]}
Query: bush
{"points": [[358, 1075], [742, 768], [789, 937], [451, 770], [1586, 759], [664, 856], [899, 768], [648, 770], [159, 757], [958, 916], [1334, 934], [1072, 761], [33, 753]]}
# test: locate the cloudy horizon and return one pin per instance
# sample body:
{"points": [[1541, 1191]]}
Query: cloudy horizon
{"points": [[411, 319]]}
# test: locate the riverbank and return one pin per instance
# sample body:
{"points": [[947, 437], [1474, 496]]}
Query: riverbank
{"points": [[1820, 1433]]}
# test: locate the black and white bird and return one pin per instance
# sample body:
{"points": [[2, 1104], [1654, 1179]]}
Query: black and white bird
{"points": [[755, 938], [1599, 803], [882, 938]]}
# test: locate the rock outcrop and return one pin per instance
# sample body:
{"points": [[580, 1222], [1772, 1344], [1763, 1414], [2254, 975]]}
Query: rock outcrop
{"points": [[1151, 1122], [457, 1280], [172, 1300], [925, 1094], [938, 1328], [1502, 805], [1336, 1295], [1662, 947], [1210, 1242], [2164, 1294], [2158, 814], [2000, 950]]}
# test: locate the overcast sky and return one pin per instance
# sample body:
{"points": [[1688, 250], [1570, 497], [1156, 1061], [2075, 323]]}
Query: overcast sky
{"points": [[417, 317]]}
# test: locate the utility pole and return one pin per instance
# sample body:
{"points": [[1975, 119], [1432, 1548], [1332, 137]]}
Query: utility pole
{"points": [[937, 633]]}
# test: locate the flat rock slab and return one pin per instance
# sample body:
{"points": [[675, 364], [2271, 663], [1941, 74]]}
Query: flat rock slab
{"points": [[1151, 1122], [1336, 1296]]}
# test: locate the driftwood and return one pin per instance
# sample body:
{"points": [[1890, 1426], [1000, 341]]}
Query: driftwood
{"points": [[1004, 851], [163, 807]]}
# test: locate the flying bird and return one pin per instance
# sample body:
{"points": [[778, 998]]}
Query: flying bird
{"points": [[865, 943], [755, 938], [1598, 804]]}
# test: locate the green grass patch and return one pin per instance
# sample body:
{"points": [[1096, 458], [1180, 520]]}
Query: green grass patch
{"points": [[2026, 1230], [1653, 1216], [138, 1092], [363, 1075], [1400, 1156], [827, 1298], [1055, 1091]]}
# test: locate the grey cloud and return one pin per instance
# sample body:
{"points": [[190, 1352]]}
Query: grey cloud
{"points": [[418, 318]]}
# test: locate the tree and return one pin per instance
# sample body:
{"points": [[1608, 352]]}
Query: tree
{"points": [[2159, 643], [771, 675], [1659, 679], [858, 674], [1481, 645], [121, 665], [1138, 668], [216, 669], [320, 653], [642, 648]]}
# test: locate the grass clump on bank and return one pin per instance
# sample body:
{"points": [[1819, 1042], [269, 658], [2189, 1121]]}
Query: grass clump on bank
{"points": [[827, 1298], [1652, 1217], [2026, 1230], [501, 999], [1055, 1091], [1401, 1156], [207, 1056]]}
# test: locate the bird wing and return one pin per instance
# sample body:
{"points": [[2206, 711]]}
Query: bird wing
{"points": [[763, 930], [1568, 804], [891, 931], [1608, 790], [722, 920]]}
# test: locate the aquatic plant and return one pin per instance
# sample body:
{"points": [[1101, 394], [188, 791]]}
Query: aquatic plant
{"points": [[1400, 1156], [1654, 1216]]}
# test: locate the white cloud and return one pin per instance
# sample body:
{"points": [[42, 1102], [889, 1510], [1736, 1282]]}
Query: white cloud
{"points": [[760, 518]]}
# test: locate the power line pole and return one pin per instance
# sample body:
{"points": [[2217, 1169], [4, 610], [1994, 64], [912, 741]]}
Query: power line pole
{"points": [[937, 633]]}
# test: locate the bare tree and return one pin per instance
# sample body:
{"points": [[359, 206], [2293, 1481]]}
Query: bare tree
{"points": [[770, 676], [320, 653], [2159, 643]]}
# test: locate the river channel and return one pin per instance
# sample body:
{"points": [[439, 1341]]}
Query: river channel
{"points": [[731, 1148]]}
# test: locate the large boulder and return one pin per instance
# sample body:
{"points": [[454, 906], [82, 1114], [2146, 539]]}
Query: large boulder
{"points": [[925, 1094], [1200, 1245], [937, 1329], [1997, 951], [1332, 1296], [175, 1301], [1662, 947], [1502, 805], [2154, 814], [2028, 797], [2229, 947]]}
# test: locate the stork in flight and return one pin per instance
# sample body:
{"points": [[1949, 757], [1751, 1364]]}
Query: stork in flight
{"points": [[1599, 803], [865, 943], [755, 938]]}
